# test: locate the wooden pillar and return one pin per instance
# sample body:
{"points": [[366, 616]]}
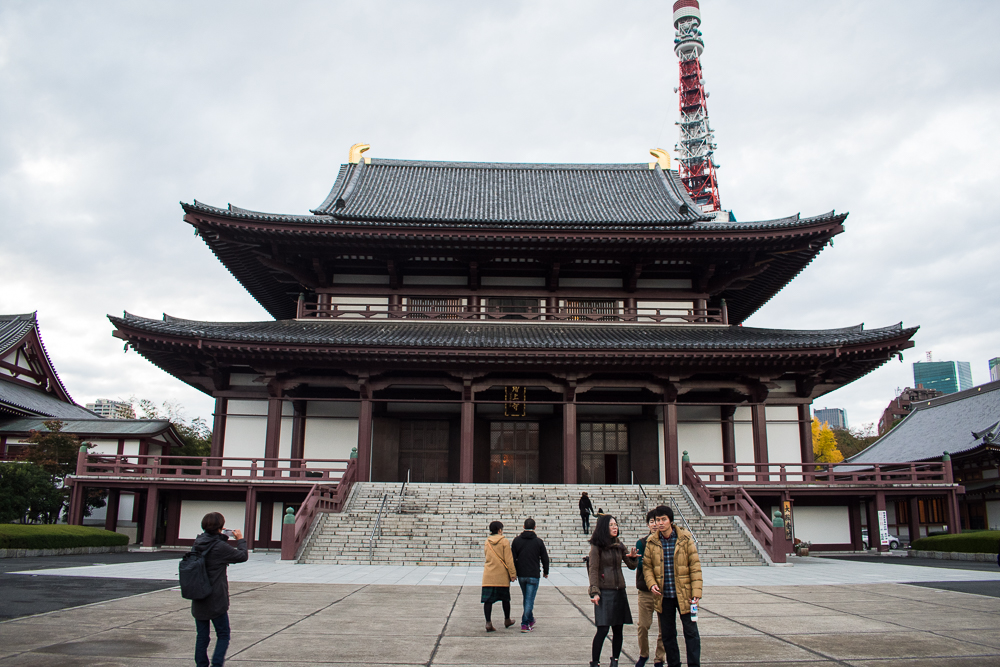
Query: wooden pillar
{"points": [[365, 437], [872, 521], [631, 309], [806, 433], [701, 306], [219, 427], [266, 518], [473, 306], [466, 451], [298, 433], [855, 516], [759, 425], [551, 307], [913, 524], [250, 517], [111, 517], [272, 439], [954, 518], [875, 538], [569, 436], [670, 446], [77, 498], [395, 306], [727, 413], [149, 520]]}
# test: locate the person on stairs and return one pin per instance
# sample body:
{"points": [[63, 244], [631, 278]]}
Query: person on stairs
{"points": [[498, 574], [529, 550], [607, 587], [586, 509]]}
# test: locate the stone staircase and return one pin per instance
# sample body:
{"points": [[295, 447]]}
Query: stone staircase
{"points": [[447, 524]]}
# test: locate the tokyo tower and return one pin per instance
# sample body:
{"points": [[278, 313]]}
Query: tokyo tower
{"points": [[696, 148]]}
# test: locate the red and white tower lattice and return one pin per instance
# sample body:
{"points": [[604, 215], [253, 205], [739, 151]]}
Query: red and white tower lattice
{"points": [[696, 148]]}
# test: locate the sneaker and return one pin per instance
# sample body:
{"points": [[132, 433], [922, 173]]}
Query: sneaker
{"points": [[525, 627], [531, 624]]}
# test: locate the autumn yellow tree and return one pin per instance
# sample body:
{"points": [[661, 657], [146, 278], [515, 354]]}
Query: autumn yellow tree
{"points": [[825, 444]]}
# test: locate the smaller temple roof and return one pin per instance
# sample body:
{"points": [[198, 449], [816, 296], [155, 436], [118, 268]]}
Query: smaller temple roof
{"points": [[20, 336], [19, 399], [94, 426], [953, 423]]}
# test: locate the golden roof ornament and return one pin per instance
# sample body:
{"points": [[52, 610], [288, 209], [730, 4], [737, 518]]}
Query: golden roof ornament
{"points": [[662, 158], [354, 155]]}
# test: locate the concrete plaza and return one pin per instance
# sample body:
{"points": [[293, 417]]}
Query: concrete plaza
{"points": [[419, 621]]}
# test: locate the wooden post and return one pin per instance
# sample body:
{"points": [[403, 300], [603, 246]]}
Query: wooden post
{"points": [[670, 444], [727, 413], [272, 439], [806, 433], [219, 428], [914, 519], [759, 425], [569, 436], [288, 546], [250, 518], [149, 520], [266, 519], [298, 433], [466, 470], [365, 437], [954, 517], [111, 518], [876, 537], [855, 510]]}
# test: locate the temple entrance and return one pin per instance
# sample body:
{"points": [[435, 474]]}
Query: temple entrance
{"points": [[423, 450], [514, 452], [603, 453]]}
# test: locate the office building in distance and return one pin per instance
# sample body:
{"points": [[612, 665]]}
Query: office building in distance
{"points": [[945, 376], [835, 417], [994, 369]]}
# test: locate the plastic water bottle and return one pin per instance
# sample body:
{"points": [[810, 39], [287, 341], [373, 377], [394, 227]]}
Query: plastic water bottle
{"points": [[694, 612]]}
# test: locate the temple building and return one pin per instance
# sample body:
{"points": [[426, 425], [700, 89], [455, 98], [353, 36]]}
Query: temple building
{"points": [[504, 323]]}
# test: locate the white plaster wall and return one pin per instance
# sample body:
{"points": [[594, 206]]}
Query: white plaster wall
{"points": [[822, 525], [329, 438], [155, 450], [131, 448], [192, 512], [783, 434], [276, 521], [699, 432], [103, 446], [744, 435], [993, 514], [245, 435]]}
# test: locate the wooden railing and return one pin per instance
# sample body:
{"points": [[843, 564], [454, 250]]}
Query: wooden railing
{"points": [[564, 313], [321, 498], [214, 468], [793, 474], [734, 501]]}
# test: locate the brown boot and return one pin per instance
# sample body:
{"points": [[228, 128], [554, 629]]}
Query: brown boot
{"points": [[507, 622], [490, 628]]}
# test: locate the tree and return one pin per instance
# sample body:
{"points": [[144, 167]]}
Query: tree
{"points": [[55, 453], [28, 494], [196, 434], [854, 441], [825, 444]]}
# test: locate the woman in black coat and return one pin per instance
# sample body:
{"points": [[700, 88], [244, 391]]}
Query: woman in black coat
{"points": [[212, 544], [586, 509], [608, 587]]}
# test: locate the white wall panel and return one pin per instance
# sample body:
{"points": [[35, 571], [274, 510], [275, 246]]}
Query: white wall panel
{"points": [[192, 512], [330, 438], [743, 427], [103, 446], [699, 432], [822, 525], [131, 448], [783, 434], [245, 435]]}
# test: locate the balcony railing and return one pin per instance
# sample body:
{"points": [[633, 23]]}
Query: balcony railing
{"points": [[306, 471], [866, 474], [561, 313]]}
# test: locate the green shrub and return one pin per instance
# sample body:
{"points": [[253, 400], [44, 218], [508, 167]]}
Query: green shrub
{"points": [[978, 542], [17, 536]]}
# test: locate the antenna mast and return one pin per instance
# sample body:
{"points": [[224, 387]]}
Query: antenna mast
{"points": [[696, 148]]}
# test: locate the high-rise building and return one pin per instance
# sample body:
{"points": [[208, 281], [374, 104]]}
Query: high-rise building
{"points": [[835, 417], [103, 407], [994, 369], [945, 376], [901, 406]]}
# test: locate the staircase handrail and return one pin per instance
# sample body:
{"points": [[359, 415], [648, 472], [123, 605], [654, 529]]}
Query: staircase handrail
{"points": [[321, 498], [644, 499], [402, 493], [687, 527], [735, 501], [377, 527]]}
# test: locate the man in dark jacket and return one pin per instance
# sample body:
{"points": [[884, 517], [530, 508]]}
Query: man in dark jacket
{"points": [[586, 509], [212, 544], [528, 550]]}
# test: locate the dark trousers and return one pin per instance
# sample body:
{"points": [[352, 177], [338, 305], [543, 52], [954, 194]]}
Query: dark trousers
{"points": [[668, 628], [586, 522], [616, 641], [221, 624]]}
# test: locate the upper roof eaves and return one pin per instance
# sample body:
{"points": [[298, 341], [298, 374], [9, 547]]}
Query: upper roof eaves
{"points": [[13, 329]]}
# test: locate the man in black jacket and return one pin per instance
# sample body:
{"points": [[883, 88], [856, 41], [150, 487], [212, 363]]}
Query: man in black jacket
{"points": [[212, 544], [528, 550]]}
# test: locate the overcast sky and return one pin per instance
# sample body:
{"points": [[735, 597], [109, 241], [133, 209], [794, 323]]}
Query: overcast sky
{"points": [[112, 112]]}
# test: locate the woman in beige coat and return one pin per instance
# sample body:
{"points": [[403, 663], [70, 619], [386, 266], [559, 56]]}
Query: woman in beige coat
{"points": [[497, 575]]}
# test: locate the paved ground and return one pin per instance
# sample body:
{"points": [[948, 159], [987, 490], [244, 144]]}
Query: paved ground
{"points": [[878, 625]]}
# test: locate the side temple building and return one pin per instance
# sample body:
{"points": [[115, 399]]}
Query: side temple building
{"points": [[505, 323]]}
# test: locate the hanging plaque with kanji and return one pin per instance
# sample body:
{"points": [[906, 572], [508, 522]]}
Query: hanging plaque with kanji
{"points": [[514, 405]]}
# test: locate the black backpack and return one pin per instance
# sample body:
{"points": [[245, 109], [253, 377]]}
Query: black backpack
{"points": [[195, 584]]}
